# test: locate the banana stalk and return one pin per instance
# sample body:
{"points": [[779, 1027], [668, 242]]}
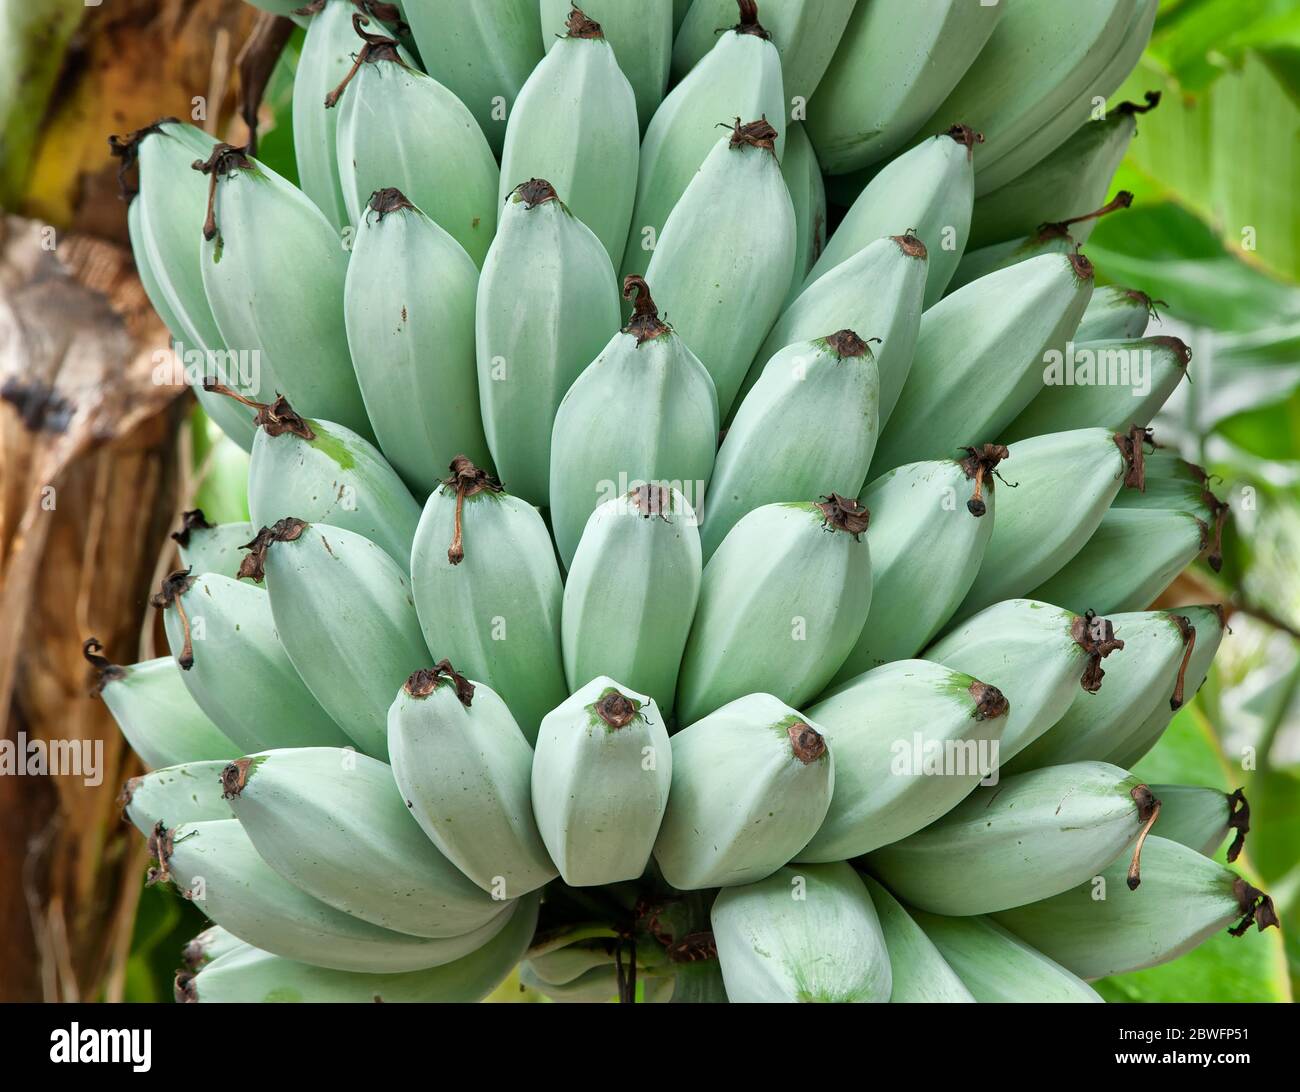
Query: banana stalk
{"points": [[1201, 818], [920, 975], [1116, 313], [210, 547]]}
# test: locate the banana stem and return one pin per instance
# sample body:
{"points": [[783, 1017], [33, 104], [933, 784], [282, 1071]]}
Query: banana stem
{"points": [[1147, 802], [1189, 643]]}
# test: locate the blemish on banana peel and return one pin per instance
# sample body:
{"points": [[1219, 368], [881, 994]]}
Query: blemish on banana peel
{"points": [[1256, 908], [426, 680], [467, 480], [169, 595], [253, 567], [979, 466], [1148, 811]]}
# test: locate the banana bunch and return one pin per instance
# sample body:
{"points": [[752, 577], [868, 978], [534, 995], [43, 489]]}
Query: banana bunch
{"points": [[838, 701]]}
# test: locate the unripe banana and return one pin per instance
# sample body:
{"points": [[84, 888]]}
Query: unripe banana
{"points": [[1174, 484], [575, 124], [1000, 968], [926, 547], [751, 784], [782, 604], [723, 262], [643, 412], [928, 192], [978, 357], [1038, 656], [1116, 314], [803, 178], [409, 306], [631, 593], [600, 783], [224, 638], [546, 302], [1032, 836], [593, 987], [805, 933], [488, 591], [739, 77], [809, 422], [566, 965], [399, 127], [251, 975], [155, 710], [896, 61], [1201, 818], [1100, 927], [464, 768], [344, 614], [333, 823], [210, 945], [911, 740], [920, 975], [189, 792], [211, 547]]}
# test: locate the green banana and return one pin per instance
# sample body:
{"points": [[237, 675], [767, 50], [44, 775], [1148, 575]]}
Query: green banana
{"points": [[593, 987], [681, 8], [739, 77], [978, 356], [214, 865], [247, 975], [782, 603], [926, 547], [927, 192], [751, 784], [1201, 818], [897, 60], [333, 823], [189, 792], [210, 547], [488, 591], [643, 412], [1172, 483], [1032, 836], [324, 60], [566, 965], [631, 593], [1116, 314], [1000, 968], [1100, 927], [1036, 654], [546, 303], [805, 933], [641, 36], [574, 123], [344, 614], [399, 127], [733, 230], [803, 180], [809, 421], [409, 307], [920, 975], [464, 768], [210, 945], [224, 638], [482, 52], [911, 740], [600, 783]]}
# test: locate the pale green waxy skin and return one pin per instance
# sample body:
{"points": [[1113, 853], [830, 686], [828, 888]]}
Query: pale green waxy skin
{"points": [[482, 53], [643, 412], [547, 303], [926, 548], [332, 823], [241, 676], [159, 717], [887, 785], [740, 77], [807, 427], [496, 615], [975, 264], [928, 190], [216, 866], [399, 127], [336, 478], [988, 337], [805, 933], [599, 791], [1194, 816], [803, 178], [864, 112], [1171, 483], [215, 549], [782, 603], [1137, 681], [1026, 649], [345, 616], [721, 268], [742, 801], [1184, 899], [998, 967], [409, 308], [877, 293], [189, 792], [575, 125], [920, 975], [1029, 837], [1115, 313], [465, 774], [631, 593], [249, 975], [1065, 483]]}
